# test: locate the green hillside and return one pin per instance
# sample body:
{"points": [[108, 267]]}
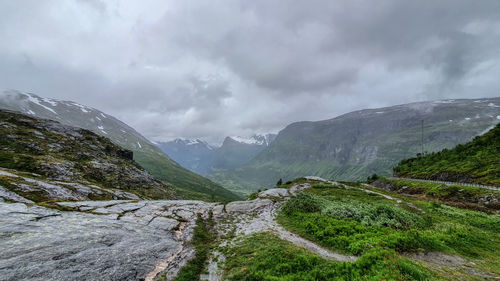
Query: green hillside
{"points": [[190, 185], [477, 161]]}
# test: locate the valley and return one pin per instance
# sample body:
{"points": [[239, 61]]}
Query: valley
{"points": [[75, 205]]}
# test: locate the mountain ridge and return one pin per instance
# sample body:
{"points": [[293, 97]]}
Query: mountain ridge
{"points": [[155, 161], [356, 144]]}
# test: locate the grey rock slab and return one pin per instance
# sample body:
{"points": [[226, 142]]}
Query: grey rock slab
{"points": [[298, 188], [274, 192], [12, 196], [42, 244], [93, 204], [164, 223], [247, 206]]}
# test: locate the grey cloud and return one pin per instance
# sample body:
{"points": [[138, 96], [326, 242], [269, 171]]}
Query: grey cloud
{"points": [[207, 69]]}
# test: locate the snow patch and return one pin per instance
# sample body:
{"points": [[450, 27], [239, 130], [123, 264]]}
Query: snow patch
{"points": [[493, 105], [444, 101], [35, 100], [103, 116], [97, 117], [101, 128], [498, 117], [247, 140], [49, 101], [139, 144], [380, 112], [467, 118], [31, 112], [83, 108]]}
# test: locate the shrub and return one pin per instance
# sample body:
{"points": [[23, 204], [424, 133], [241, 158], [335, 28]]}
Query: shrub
{"points": [[303, 202]]}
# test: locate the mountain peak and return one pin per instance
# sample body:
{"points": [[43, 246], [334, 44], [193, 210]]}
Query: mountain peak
{"points": [[256, 139]]}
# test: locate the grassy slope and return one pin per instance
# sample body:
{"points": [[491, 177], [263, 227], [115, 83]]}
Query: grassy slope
{"points": [[476, 162], [187, 183], [355, 222]]}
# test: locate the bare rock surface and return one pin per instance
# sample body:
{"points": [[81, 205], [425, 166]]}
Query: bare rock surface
{"points": [[38, 242]]}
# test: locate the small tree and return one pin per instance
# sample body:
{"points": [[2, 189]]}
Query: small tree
{"points": [[280, 182], [372, 178]]}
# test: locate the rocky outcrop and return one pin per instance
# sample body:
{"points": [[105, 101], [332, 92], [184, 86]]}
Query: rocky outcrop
{"points": [[61, 162]]}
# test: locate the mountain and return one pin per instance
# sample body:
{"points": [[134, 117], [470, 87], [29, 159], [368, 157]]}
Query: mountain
{"points": [[357, 144], [236, 151], [149, 156], [194, 155], [477, 161], [43, 160], [202, 158]]}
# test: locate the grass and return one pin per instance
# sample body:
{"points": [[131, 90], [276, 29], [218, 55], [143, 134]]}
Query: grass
{"points": [[263, 256], [355, 222], [203, 239]]}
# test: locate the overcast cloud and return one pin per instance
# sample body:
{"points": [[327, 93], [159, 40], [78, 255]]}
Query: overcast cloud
{"points": [[207, 69]]}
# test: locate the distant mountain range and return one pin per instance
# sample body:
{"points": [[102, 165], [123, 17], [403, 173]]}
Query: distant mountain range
{"points": [[148, 155], [204, 159], [355, 145]]}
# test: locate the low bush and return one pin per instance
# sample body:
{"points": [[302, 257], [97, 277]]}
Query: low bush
{"points": [[266, 257], [304, 202]]}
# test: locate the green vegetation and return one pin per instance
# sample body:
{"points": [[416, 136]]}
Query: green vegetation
{"points": [[203, 239], [280, 182], [353, 221], [475, 162], [264, 256]]}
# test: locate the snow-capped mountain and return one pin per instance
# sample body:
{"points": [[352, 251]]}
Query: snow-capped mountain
{"points": [[148, 155], [236, 151], [257, 139], [202, 158]]}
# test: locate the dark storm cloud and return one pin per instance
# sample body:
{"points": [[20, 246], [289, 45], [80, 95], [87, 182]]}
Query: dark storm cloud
{"points": [[213, 68]]}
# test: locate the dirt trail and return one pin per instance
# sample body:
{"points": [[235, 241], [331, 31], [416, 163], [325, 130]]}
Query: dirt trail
{"points": [[263, 219]]}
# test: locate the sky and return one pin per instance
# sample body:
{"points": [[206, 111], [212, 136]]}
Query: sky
{"points": [[208, 69]]}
